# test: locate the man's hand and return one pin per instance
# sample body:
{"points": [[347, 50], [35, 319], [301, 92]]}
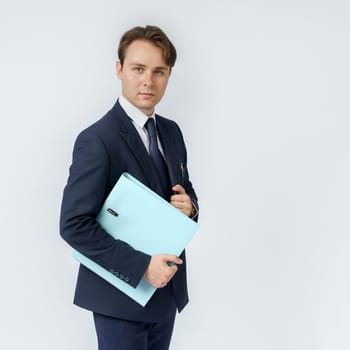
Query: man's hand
{"points": [[159, 273], [181, 200]]}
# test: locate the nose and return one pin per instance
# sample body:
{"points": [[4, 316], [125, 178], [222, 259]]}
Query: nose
{"points": [[147, 79]]}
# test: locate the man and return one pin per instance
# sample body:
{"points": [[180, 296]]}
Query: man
{"points": [[131, 138]]}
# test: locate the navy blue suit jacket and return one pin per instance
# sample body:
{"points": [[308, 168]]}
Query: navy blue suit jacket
{"points": [[102, 152]]}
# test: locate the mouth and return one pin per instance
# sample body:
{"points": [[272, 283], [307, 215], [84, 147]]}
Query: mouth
{"points": [[146, 94]]}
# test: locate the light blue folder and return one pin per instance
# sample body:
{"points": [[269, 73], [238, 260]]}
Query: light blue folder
{"points": [[135, 214]]}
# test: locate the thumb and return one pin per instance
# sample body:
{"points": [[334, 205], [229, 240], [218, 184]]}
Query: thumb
{"points": [[172, 258], [179, 189]]}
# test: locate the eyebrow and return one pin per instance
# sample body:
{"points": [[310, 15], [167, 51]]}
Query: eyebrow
{"points": [[144, 66]]}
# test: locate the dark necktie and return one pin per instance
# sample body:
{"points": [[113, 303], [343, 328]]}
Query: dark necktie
{"points": [[157, 158]]}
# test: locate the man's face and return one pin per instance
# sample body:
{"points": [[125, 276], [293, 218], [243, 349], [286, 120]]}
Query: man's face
{"points": [[144, 75]]}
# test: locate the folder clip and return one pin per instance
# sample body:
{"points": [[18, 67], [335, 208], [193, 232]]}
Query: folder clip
{"points": [[111, 211]]}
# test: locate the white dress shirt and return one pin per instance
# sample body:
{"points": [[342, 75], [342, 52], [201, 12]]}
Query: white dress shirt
{"points": [[139, 120]]}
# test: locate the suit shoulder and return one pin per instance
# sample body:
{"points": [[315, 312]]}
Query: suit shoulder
{"points": [[101, 125], [108, 124], [167, 122], [164, 119]]}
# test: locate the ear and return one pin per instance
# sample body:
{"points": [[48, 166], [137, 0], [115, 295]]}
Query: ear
{"points": [[119, 68]]}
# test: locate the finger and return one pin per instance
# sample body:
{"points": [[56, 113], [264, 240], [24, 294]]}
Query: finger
{"points": [[180, 198], [172, 258], [182, 205], [183, 200], [172, 270], [179, 189]]}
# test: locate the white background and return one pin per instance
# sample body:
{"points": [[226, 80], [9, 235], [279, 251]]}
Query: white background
{"points": [[261, 91]]}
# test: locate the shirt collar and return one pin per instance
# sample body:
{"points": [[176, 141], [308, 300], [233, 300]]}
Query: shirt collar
{"points": [[134, 113]]}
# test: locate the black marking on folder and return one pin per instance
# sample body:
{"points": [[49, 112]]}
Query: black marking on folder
{"points": [[111, 211]]}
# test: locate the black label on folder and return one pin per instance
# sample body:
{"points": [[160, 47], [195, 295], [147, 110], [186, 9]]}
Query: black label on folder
{"points": [[111, 211]]}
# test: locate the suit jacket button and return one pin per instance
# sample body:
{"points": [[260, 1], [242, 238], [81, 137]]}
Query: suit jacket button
{"points": [[121, 276], [126, 279]]}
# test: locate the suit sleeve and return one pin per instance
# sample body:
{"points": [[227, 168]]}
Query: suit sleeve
{"points": [[83, 198]]}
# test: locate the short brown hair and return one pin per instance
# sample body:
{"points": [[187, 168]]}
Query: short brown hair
{"points": [[152, 34]]}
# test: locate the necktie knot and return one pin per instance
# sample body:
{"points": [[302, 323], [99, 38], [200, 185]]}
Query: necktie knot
{"points": [[151, 127]]}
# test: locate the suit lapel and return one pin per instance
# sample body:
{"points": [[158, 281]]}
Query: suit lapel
{"points": [[133, 140], [171, 152]]}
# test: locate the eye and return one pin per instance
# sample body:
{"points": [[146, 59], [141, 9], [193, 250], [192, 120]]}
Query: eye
{"points": [[159, 72], [138, 69]]}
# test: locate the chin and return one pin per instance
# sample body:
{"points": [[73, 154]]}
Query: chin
{"points": [[147, 105]]}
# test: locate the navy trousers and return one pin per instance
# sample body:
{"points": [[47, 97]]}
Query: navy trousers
{"points": [[116, 334]]}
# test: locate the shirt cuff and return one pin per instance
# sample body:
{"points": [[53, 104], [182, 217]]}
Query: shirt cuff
{"points": [[194, 212]]}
